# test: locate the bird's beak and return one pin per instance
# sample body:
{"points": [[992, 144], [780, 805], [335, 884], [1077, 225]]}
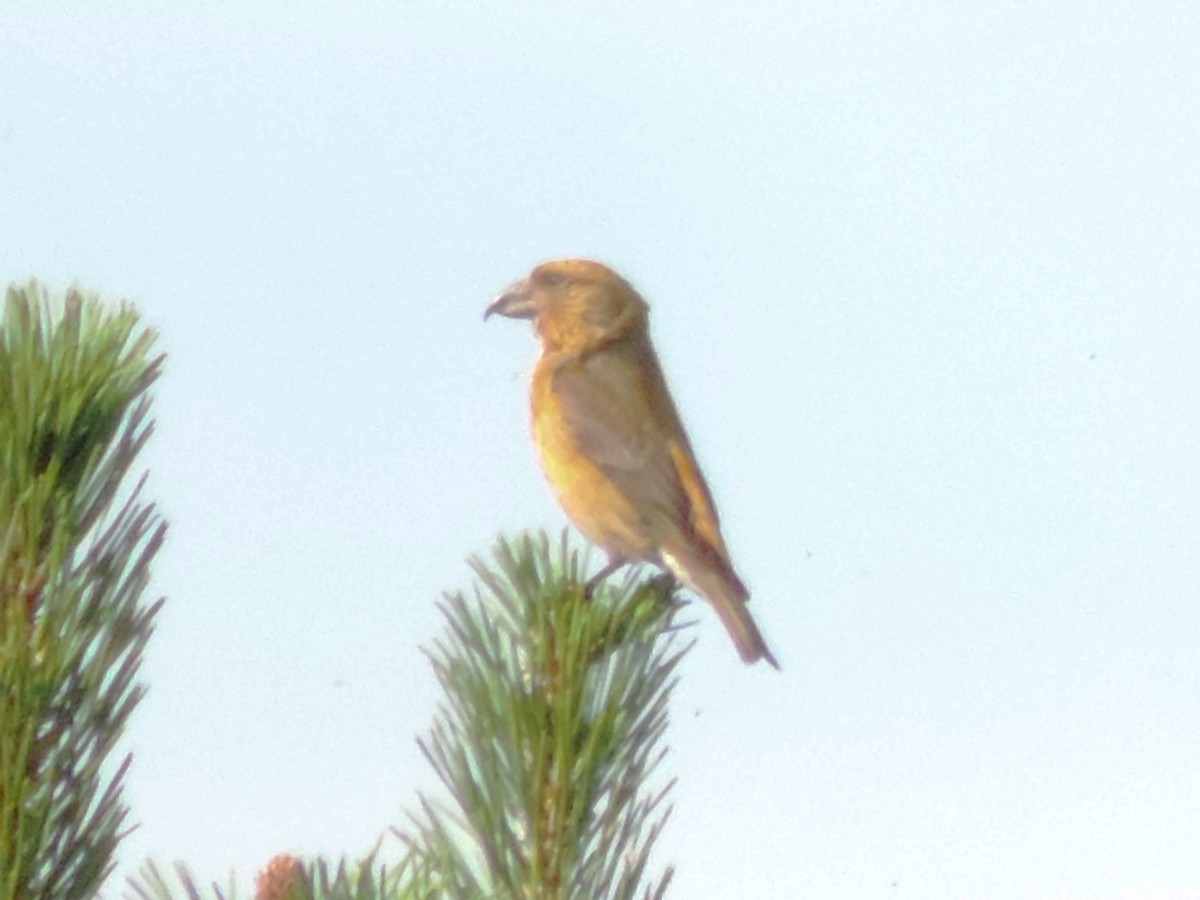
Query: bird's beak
{"points": [[516, 302]]}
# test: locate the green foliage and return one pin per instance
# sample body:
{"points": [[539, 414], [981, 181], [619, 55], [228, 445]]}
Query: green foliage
{"points": [[364, 880], [552, 725], [548, 738], [75, 547]]}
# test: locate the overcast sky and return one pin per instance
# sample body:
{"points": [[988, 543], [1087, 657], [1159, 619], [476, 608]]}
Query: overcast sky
{"points": [[925, 281]]}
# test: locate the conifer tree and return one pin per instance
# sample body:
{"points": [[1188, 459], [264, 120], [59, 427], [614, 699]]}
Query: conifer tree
{"points": [[556, 704], [547, 741], [76, 543]]}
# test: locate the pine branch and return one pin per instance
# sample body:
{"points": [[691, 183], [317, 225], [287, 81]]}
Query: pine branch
{"points": [[283, 878], [75, 549], [548, 737], [550, 733]]}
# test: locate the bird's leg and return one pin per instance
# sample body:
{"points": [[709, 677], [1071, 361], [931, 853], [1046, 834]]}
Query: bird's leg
{"points": [[614, 563], [666, 580]]}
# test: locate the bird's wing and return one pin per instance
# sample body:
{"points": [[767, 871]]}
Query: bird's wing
{"points": [[618, 408]]}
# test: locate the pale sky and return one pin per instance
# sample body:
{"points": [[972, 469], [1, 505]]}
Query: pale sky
{"points": [[925, 281]]}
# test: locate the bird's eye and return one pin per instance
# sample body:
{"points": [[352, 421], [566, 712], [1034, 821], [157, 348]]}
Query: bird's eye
{"points": [[551, 279]]}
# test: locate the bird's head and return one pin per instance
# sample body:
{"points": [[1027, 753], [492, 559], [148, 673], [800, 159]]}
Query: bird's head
{"points": [[575, 304]]}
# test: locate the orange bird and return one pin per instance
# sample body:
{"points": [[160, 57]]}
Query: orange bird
{"points": [[610, 439]]}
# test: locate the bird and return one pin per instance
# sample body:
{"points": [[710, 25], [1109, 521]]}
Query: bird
{"points": [[611, 441]]}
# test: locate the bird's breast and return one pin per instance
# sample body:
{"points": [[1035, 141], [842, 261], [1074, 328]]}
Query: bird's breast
{"points": [[589, 497]]}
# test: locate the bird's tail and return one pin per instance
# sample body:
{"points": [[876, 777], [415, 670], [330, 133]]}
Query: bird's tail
{"points": [[714, 580]]}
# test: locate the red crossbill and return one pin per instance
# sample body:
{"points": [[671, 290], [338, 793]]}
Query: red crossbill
{"points": [[611, 441]]}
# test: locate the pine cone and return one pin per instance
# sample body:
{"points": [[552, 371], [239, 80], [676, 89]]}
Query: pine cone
{"points": [[283, 878]]}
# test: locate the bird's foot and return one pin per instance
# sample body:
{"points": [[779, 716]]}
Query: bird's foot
{"points": [[589, 587]]}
